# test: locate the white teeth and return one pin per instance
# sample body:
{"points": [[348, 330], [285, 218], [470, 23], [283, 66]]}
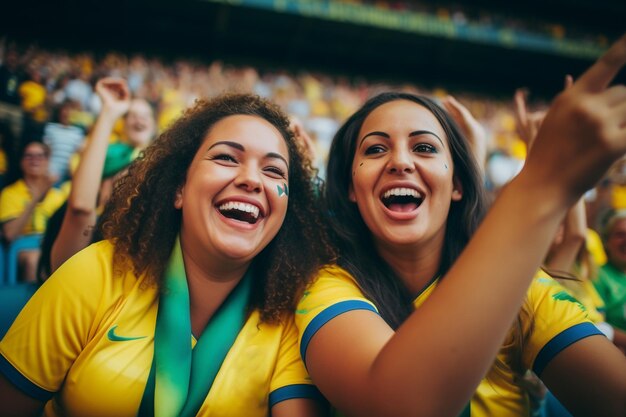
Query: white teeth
{"points": [[248, 208], [400, 192]]}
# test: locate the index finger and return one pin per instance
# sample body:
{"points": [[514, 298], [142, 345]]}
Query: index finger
{"points": [[600, 74]]}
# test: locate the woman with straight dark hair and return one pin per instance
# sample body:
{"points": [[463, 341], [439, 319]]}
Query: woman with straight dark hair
{"points": [[421, 300]]}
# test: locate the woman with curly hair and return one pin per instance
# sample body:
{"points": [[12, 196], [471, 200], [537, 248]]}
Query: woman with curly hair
{"points": [[425, 290], [185, 308]]}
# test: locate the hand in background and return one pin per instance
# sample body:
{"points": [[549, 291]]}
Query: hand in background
{"points": [[471, 128], [115, 96]]}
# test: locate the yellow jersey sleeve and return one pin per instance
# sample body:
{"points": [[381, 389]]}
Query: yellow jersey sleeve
{"points": [[333, 293], [291, 379], [559, 321], [56, 324]]}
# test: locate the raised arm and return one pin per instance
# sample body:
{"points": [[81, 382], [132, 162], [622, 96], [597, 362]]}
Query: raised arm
{"points": [[472, 129], [432, 365], [563, 256], [80, 218]]}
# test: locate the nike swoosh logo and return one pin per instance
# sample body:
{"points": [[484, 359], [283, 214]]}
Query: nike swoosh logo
{"points": [[116, 338]]}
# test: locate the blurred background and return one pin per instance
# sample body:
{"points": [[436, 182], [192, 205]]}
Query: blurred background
{"points": [[319, 59]]}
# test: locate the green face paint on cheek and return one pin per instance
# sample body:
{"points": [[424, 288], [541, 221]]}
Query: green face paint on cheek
{"points": [[284, 191]]}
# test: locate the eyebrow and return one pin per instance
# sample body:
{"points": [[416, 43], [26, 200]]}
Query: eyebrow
{"points": [[240, 147], [414, 133]]}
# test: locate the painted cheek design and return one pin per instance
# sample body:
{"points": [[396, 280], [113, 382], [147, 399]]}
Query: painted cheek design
{"points": [[284, 191]]}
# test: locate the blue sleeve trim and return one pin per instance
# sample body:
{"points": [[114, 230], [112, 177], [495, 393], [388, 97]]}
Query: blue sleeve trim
{"points": [[21, 382], [561, 341], [290, 392], [328, 314]]}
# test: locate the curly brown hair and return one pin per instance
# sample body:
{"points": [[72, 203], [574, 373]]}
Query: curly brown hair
{"points": [[143, 223]]}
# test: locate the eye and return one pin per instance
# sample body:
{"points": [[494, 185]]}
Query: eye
{"points": [[223, 157], [374, 149], [275, 172], [424, 148]]}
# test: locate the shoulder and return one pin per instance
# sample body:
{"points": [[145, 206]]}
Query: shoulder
{"points": [[331, 285], [93, 261], [545, 290], [558, 320], [333, 292], [17, 187]]}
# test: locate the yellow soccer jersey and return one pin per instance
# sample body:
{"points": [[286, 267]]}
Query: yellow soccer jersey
{"points": [[559, 321], [85, 343], [586, 293], [15, 198]]}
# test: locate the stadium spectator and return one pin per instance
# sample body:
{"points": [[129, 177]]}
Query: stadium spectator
{"points": [[63, 138], [26, 204], [611, 282], [33, 102]]}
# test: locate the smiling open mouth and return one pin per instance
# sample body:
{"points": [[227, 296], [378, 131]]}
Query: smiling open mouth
{"points": [[401, 199], [242, 212]]}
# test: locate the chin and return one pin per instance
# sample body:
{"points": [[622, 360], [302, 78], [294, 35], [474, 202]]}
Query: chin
{"points": [[239, 253]]}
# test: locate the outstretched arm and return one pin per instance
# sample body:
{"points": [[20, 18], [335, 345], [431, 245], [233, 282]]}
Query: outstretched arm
{"points": [[80, 217], [433, 363]]}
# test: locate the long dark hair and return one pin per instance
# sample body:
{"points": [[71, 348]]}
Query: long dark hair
{"points": [[356, 251]]}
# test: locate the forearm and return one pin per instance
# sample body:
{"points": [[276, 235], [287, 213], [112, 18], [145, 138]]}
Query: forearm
{"points": [[12, 229], [619, 339], [467, 317], [563, 257], [86, 181]]}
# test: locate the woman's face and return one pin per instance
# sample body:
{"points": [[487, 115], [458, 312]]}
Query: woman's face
{"points": [[235, 196], [402, 175], [616, 244], [34, 162], [139, 123]]}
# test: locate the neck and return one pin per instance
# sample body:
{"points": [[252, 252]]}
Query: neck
{"points": [[33, 179], [416, 266], [209, 283]]}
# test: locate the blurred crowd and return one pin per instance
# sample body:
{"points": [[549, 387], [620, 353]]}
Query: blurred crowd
{"points": [[49, 96], [462, 14]]}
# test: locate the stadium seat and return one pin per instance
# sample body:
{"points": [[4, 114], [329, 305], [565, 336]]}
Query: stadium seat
{"points": [[23, 243]]}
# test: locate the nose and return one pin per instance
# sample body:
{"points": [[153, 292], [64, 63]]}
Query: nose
{"points": [[400, 162], [249, 179]]}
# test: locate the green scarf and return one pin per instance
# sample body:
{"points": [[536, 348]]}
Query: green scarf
{"points": [[180, 378]]}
